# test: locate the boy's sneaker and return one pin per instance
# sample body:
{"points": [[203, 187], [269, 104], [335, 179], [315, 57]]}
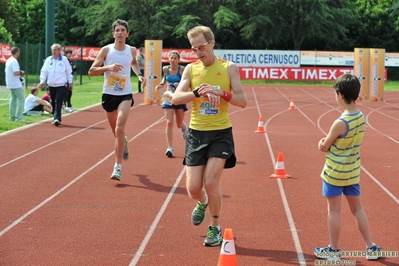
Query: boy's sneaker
{"points": [[327, 253], [198, 215], [169, 152], [372, 253], [184, 131], [126, 152], [213, 237], [116, 174]]}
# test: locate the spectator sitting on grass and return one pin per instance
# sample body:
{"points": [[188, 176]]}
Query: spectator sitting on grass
{"points": [[34, 103]]}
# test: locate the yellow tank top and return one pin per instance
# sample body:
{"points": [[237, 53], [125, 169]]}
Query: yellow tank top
{"points": [[342, 167], [205, 116]]}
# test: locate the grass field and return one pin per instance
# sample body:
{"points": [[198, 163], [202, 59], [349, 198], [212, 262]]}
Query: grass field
{"points": [[89, 93]]}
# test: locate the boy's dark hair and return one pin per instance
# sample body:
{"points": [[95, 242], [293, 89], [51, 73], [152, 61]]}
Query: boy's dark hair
{"points": [[349, 86], [68, 51], [120, 22]]}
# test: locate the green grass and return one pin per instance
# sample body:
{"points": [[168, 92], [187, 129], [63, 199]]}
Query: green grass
{"points": [[89, 93]]}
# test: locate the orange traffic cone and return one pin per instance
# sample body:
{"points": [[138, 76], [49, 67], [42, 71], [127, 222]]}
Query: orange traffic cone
{"points": [[279, 171], [292, 105], [228, 251], [261, 127]]}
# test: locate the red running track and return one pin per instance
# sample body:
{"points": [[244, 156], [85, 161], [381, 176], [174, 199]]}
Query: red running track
{"points": [[59, 207]]}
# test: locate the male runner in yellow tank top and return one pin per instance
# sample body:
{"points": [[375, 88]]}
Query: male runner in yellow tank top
{"points": [[210, 84]]}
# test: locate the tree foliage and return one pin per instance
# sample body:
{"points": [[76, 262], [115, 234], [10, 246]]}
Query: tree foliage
{"points": [[237, 24], [5, 36]]}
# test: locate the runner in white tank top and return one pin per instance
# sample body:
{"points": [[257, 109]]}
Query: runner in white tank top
{"points": [[114, 61], [118, 83]]}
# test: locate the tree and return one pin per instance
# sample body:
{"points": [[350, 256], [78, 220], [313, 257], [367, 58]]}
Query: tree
{"points": [[378, 28], [10, 15], [289, 24], [32, 27], [5, 36]]}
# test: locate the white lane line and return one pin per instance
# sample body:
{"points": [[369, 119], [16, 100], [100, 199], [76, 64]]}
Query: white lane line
{"points": [[49, 144], [294, 234], [154, 224], [381, 185], [20, 219], [40, 122]]}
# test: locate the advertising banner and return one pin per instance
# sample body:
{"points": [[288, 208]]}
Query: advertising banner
{"points": [[376, 72], [299, 74], [361, 70], [5, 52], [261, 58], [152, 71], [286, 73], [325, 58]]}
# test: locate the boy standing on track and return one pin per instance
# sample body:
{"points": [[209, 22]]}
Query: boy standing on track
{"points": [[210, 84], [341, 172], [114, 61]]}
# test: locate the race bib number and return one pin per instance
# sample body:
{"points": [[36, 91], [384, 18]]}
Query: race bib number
{"points": [[206, 108], [117, 81]]}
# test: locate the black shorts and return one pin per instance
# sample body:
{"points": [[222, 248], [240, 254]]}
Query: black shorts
{"points": [[38, 107], [175, 107], [200, 145], [111, 103]]}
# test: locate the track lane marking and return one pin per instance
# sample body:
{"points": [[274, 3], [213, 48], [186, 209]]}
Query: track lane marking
{"points": [[20, 219], [294, 234]]}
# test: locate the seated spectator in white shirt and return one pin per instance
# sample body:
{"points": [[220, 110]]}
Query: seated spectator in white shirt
{"points": [[34, 103]]}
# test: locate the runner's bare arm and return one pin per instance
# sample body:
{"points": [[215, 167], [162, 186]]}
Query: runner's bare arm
{"points": [[183, 94], [97, 68], [239, 97], [135, 66], [235, 96]]}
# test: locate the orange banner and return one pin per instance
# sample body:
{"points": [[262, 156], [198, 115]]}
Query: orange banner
{"points": [[361, 70], [152, 71], [376, 81]]}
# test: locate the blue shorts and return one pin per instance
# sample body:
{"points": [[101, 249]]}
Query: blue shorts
{"points": [[334, 191]]}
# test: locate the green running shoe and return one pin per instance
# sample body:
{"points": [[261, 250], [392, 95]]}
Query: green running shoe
{"points": [[213, 237], [198, 215]]}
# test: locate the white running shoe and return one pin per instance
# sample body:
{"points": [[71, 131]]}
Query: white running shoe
{"points": [[169, 152], [117, 173]]}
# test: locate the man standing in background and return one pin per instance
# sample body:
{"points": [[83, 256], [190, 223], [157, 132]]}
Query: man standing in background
{"points": [[68, 104], [141, 60], [58, 73], [14, 83]]}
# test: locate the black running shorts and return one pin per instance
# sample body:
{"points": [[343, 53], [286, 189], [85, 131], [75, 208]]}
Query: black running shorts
{"points": [[200, 145], [110, 102]]}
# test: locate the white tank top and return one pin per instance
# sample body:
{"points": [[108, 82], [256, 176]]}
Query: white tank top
{"points": [[118, 83]]}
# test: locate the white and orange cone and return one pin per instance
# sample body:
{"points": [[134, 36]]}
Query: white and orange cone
{"points": [[261, 126], [279, 171], [228, 250], [292, 105]]}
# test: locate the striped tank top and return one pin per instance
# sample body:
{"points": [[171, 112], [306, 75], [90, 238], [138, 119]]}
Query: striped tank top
{"points": [[342, 166]]}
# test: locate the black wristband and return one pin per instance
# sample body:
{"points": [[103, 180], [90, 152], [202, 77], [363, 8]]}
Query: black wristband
{"points": [[195, 91]]}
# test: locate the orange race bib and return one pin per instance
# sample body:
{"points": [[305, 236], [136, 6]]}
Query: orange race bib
{"points": [[117, 81], [206, 108]]}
